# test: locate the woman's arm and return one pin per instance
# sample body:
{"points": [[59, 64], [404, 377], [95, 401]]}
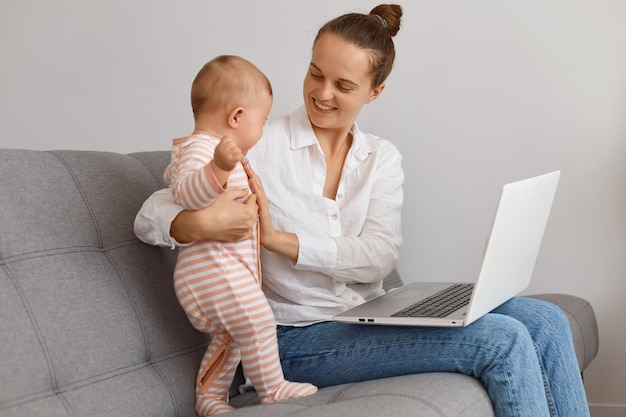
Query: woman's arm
{"points": [[370, 253], [365, 255], [161, 222], [282, 243], [224, 220]]}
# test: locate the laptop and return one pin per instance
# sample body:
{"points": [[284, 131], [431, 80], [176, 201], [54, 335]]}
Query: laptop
{"points": [[508, 263]]}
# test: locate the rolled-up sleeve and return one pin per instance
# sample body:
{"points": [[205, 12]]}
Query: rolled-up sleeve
{"points": [[154, 219], [316, 253]]}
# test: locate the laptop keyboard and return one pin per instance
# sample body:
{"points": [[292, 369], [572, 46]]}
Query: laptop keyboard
{"points": [[440, 304]]}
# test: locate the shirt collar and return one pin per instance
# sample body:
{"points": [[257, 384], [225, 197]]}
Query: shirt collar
{"points": [[302, 135]]}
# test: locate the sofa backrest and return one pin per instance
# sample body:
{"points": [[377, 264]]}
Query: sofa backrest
{"points": [[89, 322]]}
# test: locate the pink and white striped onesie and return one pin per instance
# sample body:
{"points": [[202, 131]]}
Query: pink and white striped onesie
{"points": [[218, 284]]}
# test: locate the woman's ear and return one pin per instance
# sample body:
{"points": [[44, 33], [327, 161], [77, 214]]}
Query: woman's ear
{"points": [[375, 93], [234, 117]]}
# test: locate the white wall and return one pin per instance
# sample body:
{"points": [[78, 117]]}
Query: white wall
{"points": [[484, 92]]}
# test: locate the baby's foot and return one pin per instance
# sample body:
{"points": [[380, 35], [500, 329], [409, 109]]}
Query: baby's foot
{"points": [[207, 405], [288, 390]]}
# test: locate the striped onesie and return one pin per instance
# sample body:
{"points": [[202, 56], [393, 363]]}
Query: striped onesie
{"points": [[218, 284]]}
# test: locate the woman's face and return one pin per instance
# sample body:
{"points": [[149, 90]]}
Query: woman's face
{"points": [[337, 84]]}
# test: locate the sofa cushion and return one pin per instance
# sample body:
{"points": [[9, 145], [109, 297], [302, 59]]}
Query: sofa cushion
{"points": [[433, 394]]}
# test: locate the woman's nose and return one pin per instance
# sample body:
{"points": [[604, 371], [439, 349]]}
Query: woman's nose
{"points": [[325, 92]]}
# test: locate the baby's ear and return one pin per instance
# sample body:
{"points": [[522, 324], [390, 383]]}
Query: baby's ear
{"points": [[234, 117]]}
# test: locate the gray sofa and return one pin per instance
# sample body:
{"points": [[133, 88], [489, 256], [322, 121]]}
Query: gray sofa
{"points": [[90, 325]]}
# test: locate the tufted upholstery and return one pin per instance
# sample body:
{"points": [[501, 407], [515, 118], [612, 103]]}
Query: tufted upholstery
{"points": [[89, 322]]}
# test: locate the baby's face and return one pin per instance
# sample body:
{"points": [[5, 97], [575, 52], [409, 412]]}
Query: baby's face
{"points": [[253, 120]]}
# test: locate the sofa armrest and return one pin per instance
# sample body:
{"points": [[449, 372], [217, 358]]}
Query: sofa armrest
{"points": [[583, 322]]}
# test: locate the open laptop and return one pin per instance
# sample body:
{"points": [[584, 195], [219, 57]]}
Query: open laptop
{"points": [[508, 263]]}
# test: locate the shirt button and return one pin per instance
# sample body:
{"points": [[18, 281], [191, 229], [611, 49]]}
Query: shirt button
{"points": [[334, 217], [354, 298]]}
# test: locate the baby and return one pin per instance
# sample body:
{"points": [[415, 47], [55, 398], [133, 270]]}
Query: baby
{"points": [[218, 284]]}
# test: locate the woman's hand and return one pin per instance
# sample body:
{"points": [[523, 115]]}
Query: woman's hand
{"points": [[267, 227], [224, 220], [283, 243]]}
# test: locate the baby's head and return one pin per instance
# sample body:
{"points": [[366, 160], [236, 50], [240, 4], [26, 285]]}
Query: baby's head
{"points": [[234, 93]]}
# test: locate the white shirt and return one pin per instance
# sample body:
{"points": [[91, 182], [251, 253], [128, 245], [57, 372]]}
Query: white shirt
{"points": [[346, 246]]}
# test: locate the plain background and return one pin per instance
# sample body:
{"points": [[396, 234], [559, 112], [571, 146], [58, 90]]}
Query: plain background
{"points": [[483, 92]]}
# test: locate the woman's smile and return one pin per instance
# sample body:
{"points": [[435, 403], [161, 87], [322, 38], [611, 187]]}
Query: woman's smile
{"points": [[322, 106]]}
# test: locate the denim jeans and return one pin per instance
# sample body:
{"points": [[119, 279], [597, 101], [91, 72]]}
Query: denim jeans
{"points": [[522, 352]]}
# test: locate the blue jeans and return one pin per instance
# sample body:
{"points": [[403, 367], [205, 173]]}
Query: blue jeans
{"points": [[522, 352]]}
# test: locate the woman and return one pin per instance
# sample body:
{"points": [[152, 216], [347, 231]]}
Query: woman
{"points": [[335, 196]]}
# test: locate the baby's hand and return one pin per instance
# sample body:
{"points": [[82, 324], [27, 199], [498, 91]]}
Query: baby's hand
{"points": [[227, 154]]}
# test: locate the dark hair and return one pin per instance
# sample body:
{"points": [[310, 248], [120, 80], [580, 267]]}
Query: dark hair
{"points": [[372, 32]]}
